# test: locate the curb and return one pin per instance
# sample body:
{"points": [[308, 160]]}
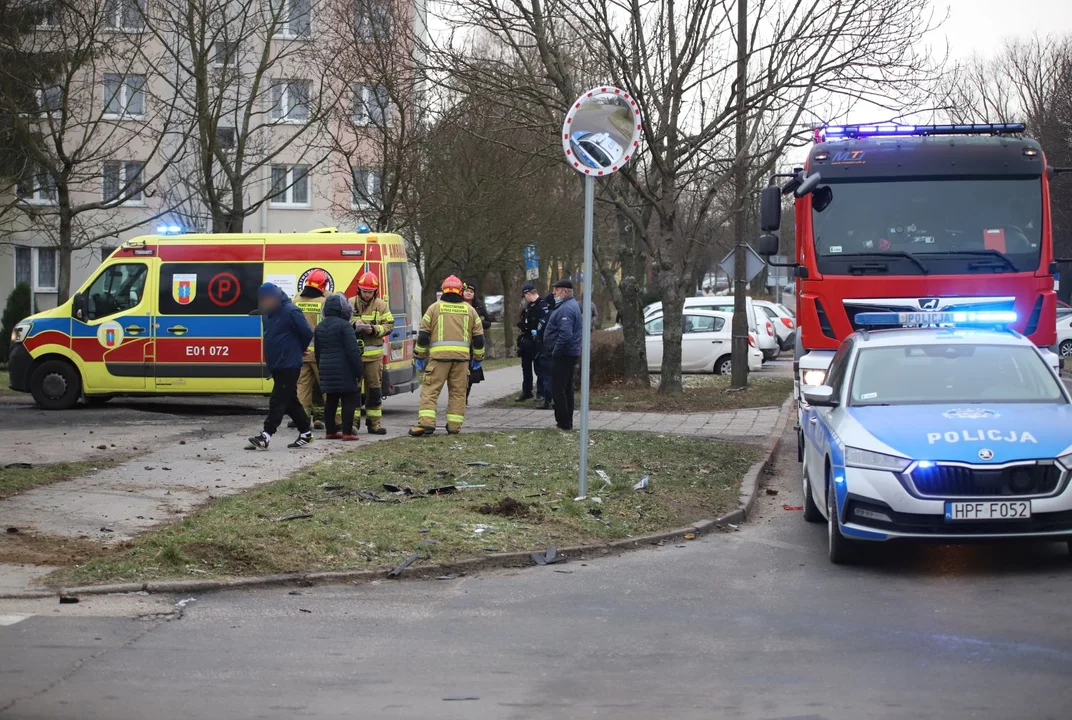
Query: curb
{"points": [[492, 561]]}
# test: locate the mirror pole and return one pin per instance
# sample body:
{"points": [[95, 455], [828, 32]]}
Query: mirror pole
{"points": [[586, 325]]}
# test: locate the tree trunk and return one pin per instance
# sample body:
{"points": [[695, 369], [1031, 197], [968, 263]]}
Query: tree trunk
{"points": [[673, 295], [511, 311], [636, 351], [65, 248]]}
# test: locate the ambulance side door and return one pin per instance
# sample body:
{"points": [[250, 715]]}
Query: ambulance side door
{"points": [[208, 337], [114, 338]]}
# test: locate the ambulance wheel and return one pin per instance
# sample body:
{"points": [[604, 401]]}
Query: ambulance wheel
{"points": [[811, 510], [55, 385], [842, 551]]}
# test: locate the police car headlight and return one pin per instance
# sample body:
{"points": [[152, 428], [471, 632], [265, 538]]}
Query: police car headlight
{"points": [[813, 378], [869, 460], [20, 331]]}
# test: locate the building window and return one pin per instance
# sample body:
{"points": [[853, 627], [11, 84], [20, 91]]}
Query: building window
{"points": [[23, 266], [290, 100], [106, 252], [39, 188], [373, 21], [37, 267], [125, 14], [48, 17], [291, 18], [290, 186], [50, 100], [367, 187], [121, 182], [372, 105], [224, 54], [225, 137], [124, 95]]}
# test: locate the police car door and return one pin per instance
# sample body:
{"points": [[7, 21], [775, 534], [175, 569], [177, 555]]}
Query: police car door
{"points": [[207, 338], [819, 420], [111, 328]]}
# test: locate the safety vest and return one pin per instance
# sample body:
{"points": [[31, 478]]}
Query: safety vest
{"points": [[450, 331], [313, 309], [378, 315]]}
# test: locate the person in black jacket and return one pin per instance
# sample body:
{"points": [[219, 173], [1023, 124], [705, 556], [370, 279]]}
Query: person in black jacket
{"points": [[469, 295], [533, 310], [338, 357]]}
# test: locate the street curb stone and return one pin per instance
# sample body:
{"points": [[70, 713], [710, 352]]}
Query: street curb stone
{"points": [[746, 503]]}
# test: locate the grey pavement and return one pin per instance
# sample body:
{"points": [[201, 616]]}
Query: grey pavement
{"points": [[200, 455], [755, 624]]}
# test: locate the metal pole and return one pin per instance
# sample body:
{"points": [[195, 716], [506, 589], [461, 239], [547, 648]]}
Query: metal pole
{"points": [[586, 319], [739, 342]]}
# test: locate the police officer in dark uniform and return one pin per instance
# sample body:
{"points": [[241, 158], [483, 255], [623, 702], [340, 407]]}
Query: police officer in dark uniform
{"points": [[543, 357], [533, 311]]}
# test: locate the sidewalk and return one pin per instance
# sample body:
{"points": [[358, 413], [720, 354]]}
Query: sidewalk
{"points": [[165, 484]]}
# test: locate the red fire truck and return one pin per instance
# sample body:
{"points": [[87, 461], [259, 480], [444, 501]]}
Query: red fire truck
{"points": [[917, 219]]}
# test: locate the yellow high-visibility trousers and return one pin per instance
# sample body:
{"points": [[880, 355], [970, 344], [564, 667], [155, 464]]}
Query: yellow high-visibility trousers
{"points": [[455, 374], [373, 378]]}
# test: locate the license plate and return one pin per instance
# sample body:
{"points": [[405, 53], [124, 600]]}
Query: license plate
{"points": [[988, 510]]}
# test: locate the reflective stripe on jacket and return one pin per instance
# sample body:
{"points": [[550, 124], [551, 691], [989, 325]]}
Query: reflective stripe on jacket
{"points": [[311, 308], [450, 330], [378, 315]]}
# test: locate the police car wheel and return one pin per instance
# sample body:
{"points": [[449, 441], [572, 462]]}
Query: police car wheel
{"points": [[55, 385], [840, 549], [811, 510]]}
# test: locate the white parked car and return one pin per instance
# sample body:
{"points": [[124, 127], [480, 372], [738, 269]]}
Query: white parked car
{"points": [[757, 321], [1064, 332], [706, 339], [785, 324]]}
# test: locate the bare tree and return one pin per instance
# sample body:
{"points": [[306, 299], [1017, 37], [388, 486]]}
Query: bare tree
{"points": [[96, 144], [676, 60], [246, 85]]}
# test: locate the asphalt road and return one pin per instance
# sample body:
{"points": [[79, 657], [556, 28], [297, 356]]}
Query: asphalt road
{"points": [[752, 624]]}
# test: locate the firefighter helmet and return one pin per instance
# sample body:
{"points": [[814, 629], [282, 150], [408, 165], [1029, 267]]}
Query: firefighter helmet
{"points": [[317, 279], [368, 281], [452, 285]]}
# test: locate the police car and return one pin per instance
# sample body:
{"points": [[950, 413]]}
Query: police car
{"points": [[950, 434]]}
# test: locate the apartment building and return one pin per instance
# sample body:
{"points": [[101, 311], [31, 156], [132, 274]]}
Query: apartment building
{"points": [[294, 130]]}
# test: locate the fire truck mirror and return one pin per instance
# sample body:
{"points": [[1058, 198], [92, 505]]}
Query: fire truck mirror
{"points": [[808, 184], [768, 244], [770, 209]]}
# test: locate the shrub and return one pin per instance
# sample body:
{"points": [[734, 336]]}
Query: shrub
{"points": [[608, 358], [16, 310]]}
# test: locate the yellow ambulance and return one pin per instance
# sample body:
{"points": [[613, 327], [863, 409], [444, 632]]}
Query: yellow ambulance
{"points": [[170, 315]]}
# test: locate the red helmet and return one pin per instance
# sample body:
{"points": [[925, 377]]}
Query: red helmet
{"points": [[368, 281], [317, 279], [452, 285]]}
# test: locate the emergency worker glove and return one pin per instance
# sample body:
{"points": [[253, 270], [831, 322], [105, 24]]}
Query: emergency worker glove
{"points": [[475, 365], [420, 363]]}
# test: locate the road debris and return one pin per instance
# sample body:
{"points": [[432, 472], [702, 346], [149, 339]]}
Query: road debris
{"points": [[690, 536], [12, 531], [299, 516], [450, 576], [18, 466], [642, 484], [106, 529], [305, 611], [185, 602], [771, 491], [792, 507], [68, 600], [606, 478], [460, 698], [294, 592], [477, 463], [396, 490], [397, 570], [443, 490], [548, 557], [481, 528]]}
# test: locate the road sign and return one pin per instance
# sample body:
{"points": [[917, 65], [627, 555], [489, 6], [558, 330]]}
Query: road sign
{"points": [[532, 263], [777, 273], [754, 264]]}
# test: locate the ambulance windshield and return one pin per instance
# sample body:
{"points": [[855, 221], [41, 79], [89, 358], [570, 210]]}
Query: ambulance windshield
{"points": [[953, 373], [917, 227]]}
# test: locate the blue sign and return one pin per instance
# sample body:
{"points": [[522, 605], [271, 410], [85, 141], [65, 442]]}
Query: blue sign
{"points": [[532, 263]]}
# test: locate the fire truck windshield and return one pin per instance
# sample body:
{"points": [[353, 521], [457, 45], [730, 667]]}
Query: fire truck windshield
{"points": [[914, 227]]}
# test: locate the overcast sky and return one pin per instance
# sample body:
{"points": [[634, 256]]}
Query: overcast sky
{"points": [[980, 26]]}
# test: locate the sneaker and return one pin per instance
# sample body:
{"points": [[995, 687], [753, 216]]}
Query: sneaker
{"points": [[260, 442], [318, 424], [349, 437], [334, 436], [545, 405], [421, 431], [306, 438], [523, 397]]}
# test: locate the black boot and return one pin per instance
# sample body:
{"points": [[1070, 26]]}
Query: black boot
{"points": [[545, 405], [523, 397]]}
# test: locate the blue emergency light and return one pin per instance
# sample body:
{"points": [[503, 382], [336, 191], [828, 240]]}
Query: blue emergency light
{"points": [[169, 230], [364, 229], [949, 318], [837, 132]]}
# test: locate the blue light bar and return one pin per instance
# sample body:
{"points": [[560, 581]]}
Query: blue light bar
{"points": [[169, 230], [836, 132], [956, 318]]}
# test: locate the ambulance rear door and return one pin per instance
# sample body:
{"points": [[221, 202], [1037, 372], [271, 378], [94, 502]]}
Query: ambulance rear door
{"points": [[208, 332]]}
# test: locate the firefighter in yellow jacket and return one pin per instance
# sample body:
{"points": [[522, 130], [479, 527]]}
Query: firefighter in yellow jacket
{"points": [[450, 330], [373, 322], [311, 302]]}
